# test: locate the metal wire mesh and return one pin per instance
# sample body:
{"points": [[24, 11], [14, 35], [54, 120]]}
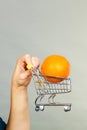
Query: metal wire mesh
{"points": [[44, 87]]}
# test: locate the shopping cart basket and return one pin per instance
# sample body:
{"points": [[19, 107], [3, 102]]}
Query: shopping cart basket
{"points": [[45, 88]]}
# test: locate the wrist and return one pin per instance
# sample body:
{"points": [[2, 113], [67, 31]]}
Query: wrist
{"points": [[19, 97]]}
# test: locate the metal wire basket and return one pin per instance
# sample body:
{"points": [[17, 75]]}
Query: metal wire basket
{"points": [[44, 87]]}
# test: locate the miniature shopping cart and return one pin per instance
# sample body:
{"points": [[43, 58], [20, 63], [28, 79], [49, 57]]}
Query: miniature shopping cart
{"points": [[45, 88]]}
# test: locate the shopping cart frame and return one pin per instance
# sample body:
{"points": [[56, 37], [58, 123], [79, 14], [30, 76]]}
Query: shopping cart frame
{"points": [[46, 88]]}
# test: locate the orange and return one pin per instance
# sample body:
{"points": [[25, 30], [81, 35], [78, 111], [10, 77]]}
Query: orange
{"points": [[57, 66]]}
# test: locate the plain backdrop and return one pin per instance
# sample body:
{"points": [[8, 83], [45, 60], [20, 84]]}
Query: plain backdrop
{"points": [[41, 28]]}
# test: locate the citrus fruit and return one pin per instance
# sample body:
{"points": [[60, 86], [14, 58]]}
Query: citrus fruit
{"points": [[56, 66]]}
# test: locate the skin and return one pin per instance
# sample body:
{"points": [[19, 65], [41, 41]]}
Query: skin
{"points": [[19, 117]]}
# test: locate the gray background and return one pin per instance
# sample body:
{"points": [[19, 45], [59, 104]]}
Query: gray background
{"points": [[41, 28]]}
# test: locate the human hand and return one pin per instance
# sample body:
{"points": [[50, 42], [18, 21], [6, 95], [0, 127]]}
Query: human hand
{"points": [[19, 117], [22, 76]]}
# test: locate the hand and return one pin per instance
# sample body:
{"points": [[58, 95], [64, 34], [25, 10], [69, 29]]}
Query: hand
{"points": [[19, 117], [22, 76]]}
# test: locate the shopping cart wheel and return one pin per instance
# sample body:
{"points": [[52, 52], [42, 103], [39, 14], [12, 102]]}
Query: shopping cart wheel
{"points": [[37, 108], [41, 107], [67, 108]]}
